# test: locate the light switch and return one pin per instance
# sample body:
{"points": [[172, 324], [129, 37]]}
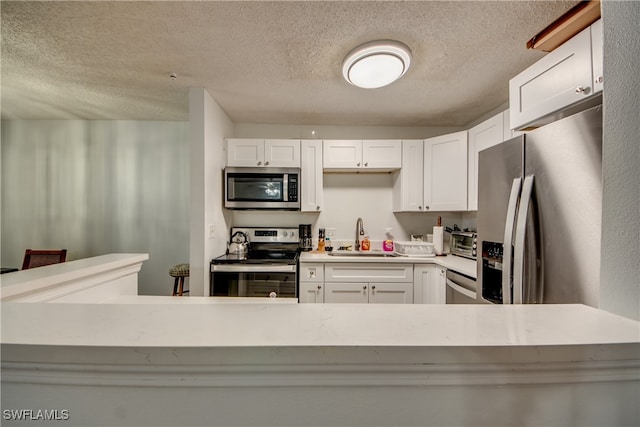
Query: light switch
{"points": [[212, 231]]}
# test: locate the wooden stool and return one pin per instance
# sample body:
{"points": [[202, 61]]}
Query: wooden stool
{"points": [[179, 271]]}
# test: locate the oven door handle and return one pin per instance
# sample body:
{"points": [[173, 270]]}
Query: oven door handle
{"points": [[464, 291], [258, 268]]}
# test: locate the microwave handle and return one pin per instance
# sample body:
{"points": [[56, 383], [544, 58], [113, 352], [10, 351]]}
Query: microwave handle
{"points": [[231, 190], [285, 187]]}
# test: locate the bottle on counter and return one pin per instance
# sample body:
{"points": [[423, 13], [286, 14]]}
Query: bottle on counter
{"points": [[365, 245], [387, 244], [321, 241]]}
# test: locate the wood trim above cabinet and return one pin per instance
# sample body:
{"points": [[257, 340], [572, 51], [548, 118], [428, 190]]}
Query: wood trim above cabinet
{"points": [[568, 25]]}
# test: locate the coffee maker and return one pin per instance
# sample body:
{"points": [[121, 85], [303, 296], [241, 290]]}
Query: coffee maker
{"points": [[306, 241]]}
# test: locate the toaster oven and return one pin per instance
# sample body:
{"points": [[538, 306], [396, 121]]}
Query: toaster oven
{"points": [[464, 243]]}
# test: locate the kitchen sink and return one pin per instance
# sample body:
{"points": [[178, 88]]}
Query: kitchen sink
{"points": [[361, 254]]}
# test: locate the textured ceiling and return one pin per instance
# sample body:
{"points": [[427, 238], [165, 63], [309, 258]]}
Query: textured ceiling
{"points": [[264, 61]]}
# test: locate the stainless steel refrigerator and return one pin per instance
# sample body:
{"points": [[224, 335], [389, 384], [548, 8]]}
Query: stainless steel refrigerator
{"points": [[539, 214]]}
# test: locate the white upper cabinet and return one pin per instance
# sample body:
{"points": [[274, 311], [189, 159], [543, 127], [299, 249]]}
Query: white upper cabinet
{"points": [[408, 183], [485, 135], [562, 78], [596, 55], [311, 179], [359, 155], [445, 172], [382, 154], [263, 152], [342, 154]]}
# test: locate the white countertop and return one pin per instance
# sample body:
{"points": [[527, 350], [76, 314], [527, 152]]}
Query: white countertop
{"points": [[462, 265], [34, 280], [202, 322]]}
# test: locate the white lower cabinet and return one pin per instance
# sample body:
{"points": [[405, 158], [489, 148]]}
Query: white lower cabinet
{"points": [[311, 293], [363, 283], [311, 283], [369, 293], [429, 284]]}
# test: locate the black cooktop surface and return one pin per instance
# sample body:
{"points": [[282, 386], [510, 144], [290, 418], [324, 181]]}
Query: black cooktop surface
{"points": [[259, 257]]}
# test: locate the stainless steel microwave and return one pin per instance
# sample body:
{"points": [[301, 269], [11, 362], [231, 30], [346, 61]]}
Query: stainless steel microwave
{"points": [[262, 188]]}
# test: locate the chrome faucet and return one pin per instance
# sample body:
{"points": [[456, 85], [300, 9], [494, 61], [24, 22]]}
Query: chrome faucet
{"points": [[359, 232]]}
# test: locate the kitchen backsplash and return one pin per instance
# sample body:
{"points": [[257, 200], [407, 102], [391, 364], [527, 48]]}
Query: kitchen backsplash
{"points": [[349, 196]]}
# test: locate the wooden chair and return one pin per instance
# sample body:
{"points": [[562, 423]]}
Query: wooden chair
{"points": [[38, 258]]}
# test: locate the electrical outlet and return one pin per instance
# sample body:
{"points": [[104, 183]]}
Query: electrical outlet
{"points": [[212, 231]]}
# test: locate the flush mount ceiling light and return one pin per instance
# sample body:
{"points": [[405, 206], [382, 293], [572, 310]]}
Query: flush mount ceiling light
{"points": [[376, 64]]}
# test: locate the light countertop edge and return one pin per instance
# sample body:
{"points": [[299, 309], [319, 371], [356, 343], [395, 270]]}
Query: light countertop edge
{"points": [[462, 265]]}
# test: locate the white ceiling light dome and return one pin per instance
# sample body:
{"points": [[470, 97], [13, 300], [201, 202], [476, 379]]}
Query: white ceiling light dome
{"points": [[376, 64]]}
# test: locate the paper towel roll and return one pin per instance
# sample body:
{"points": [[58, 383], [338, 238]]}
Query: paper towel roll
{"points": [[438, 242]]}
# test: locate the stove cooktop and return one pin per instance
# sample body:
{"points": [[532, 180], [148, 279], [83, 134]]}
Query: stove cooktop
{"points": [[287, 258], [278, 245]]}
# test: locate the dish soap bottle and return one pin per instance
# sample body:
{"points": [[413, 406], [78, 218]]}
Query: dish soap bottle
{"points": [[365, 245], [387, 244]]}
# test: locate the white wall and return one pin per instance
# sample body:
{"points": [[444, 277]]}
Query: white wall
{"points": [[620, 264], [253, 130], [209, 126], [96, 187]]}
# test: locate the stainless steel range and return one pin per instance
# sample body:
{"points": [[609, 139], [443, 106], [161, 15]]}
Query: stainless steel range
{"points": [[268, 268]]}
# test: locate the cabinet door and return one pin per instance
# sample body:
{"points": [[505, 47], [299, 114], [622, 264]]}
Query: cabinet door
{"points": [[429, 284], [311, 179], [342, 154], [311, 293], [245, 152], [408, 184], [445, 172], [485, 135], [382, 154], [346, 292], [438, 294], [390, 293], [283, 153], [561, 78], [596, 55], [424, 279]]}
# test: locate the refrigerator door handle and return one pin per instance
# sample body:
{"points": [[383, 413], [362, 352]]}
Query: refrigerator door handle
{"points": [[521, 229], [508, 239]]}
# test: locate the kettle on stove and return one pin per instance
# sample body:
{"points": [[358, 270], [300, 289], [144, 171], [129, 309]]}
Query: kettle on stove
{"points": [[239, 244]]}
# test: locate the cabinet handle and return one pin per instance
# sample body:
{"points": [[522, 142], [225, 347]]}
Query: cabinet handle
{"points": [[599, 79], [358, 164], [266, 163], [319, 287], [373, 287], [364, 287], [259, 163], [582, 90], [366, 164], [426, 208], [318, 207]]}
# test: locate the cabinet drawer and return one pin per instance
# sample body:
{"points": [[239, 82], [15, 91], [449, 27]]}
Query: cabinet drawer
{"points": [[365, 272], [312, 272]]}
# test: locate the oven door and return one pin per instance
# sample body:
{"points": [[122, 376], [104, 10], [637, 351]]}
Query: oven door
{"points": [[234, 280], [461, 289]]}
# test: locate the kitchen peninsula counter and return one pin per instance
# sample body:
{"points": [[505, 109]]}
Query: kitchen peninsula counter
{"points": [[143, 360]]}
